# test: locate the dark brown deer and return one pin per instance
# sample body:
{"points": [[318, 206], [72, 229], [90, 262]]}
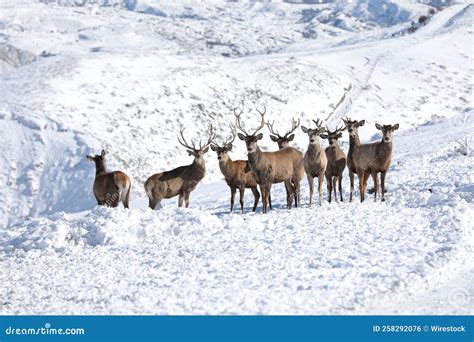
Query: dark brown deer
{"points": [[374, 158], [110, 188], [284, 165], [354, 141], [182, 180], [336, 161], [315, 160], [237, 173]]}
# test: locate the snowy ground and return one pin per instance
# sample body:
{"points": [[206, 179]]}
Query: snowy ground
{"points": [[74, 87]]}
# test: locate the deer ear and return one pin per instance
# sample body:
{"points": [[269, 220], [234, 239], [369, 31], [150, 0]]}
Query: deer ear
{"points": [[361, 123], [191, 153], [291, 137], [91, 158], [205, 150], [338, 135], [259, 136], [324, 136], [304, 129], [229, 147], [378, 126], [103, 153], [396, 126], [241, 136], [213, 147], [274, 138]]}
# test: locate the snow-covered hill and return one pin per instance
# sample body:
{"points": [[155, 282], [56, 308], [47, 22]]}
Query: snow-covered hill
{"points": [[127, 75]]}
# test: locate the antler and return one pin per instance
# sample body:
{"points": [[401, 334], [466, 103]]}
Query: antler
{"points": [[294, 125], [184, 142], [338, 129], [211, 135], [239, 125], [319, 123], [232, 137]]}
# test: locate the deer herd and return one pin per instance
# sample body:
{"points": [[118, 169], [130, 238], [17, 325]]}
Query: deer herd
{"points": [[263, 169]]}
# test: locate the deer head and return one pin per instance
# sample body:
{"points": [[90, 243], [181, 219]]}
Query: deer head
{"points": [[314, 133], [99, 160], [226, 146], [332, 137], [251, 140], [193, 150], [352, 126], [387, 131], [283, 140]]}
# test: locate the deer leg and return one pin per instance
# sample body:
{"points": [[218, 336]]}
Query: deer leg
{"points": [[320, 188], [340, 187], [256, 196], [270, 201], [361, 185], [232, 198], [334, 185], [382, 183], [180, 200], [186, 199], [351, 178], [297, 187], [376, 184], [268, 192], [242, 193], [310, 184], [289, 193], [264, 198], [329, 186]]}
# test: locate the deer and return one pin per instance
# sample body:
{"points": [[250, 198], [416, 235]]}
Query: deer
{"points": [[285, 165], [352, 127], [182, 180], [374, 158], [110, 188], [237, 173], [283, 141], [315, 160], [336, 161]]}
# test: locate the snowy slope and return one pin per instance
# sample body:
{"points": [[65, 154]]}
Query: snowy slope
{"points": [[126, 78]]}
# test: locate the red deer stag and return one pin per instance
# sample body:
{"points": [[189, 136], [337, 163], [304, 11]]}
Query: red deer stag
{"points": [[283, 141], [315, 160], [237, 173], [336, 161], [109, 188], [182, 180], [354, 141], [272, 167], [370, 159]]}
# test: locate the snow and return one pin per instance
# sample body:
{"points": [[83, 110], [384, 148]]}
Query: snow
{"points": [[125, 79]]}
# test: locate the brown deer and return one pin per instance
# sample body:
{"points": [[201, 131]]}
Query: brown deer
{"points": [[315, 160], [370, 159], [109, 187], [182, 180], [284, 165], [354, 141], [336, 161], [283, 141], [237, 173]]}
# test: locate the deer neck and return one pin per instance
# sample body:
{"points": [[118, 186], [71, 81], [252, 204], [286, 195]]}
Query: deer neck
{"points": [[254, 156], [100, 169], [224, 165], [200, 164]]}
